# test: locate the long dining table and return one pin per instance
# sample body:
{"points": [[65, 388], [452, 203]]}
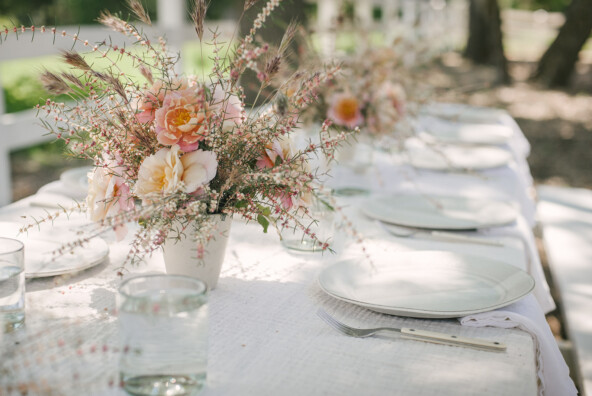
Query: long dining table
{"points": [[265, 337]]}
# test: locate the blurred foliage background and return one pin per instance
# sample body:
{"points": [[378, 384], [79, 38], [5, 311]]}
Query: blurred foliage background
{"points": [[557, 122], [83, 12]]}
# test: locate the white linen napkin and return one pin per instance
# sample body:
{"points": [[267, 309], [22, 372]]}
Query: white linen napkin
{"points": [[526, 315]]}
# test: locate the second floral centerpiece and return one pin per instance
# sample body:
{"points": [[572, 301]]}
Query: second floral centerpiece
{"points": [[181, 155]]}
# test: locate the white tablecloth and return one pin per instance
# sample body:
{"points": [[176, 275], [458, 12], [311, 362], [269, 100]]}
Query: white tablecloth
{"points": [[265, 338]]}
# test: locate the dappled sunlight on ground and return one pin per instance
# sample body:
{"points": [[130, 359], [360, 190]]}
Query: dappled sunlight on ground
{"points": [[558, 123]]}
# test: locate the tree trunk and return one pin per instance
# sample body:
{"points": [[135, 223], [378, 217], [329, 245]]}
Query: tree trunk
{"points": [[484, 45], [271, 33], [558, 62]]}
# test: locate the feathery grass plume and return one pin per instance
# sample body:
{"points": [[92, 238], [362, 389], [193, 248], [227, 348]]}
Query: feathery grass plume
{"points": [[117, 86], [99, 75], [73, 79], [146, 73], [249, 4], [138, 9], [75, 59], [54, 84], [288, 36], [113, 22], [273, 66], [198, 15]]}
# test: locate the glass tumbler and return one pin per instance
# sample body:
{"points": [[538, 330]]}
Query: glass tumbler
{"points": [[323, 227], [163, 325], [12, 284]]}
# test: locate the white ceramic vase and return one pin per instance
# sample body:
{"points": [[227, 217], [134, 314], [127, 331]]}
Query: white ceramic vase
{"points": [[181, 258]]}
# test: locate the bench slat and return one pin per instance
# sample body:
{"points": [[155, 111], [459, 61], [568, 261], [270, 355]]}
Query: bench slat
{"points": [[566, 216]]}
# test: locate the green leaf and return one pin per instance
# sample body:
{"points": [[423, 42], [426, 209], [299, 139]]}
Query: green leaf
{"points": [[264, 210], [327, 205], [240, 204], [263, 221]]}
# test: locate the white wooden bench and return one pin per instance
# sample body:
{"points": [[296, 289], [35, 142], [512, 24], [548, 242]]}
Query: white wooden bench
{"points": [[566, 217]]}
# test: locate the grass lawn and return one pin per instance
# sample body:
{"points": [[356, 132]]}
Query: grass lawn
{"points": [[37, 165]]}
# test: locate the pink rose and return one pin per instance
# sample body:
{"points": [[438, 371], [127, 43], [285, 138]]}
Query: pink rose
{"points": [[279, 148], [395, 94], [227, 106], [108, 195], [345, 110]]}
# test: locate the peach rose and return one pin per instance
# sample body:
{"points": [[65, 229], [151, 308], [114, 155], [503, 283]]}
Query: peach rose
{"points": [[153, 97], [345, 110], [167, 172], [182, 119]]}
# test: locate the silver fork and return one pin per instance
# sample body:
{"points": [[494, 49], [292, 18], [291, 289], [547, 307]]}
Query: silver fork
{"points": [[405, 232], [414, 334]]}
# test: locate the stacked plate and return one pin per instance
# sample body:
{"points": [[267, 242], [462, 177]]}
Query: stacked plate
{"points": [[76, 180], [40, 260], [464, 113], [458, 158], [468, 133], [440, 212]]}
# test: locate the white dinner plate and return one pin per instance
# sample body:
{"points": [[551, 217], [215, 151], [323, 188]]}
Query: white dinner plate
{"points": [[458, 158], [463, 133], [76, 179], [40, 261], [464, 113], [427, 284], [440, 212]]}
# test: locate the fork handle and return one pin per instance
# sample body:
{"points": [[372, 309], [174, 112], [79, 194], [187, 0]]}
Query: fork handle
{"points": [[448, 339], [451, 237]]}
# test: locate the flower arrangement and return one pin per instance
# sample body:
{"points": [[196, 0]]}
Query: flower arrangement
{"points": [[369, 94], [170, 151]]}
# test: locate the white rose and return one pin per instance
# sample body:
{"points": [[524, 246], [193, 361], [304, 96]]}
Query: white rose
{"points": [[166, 172]]}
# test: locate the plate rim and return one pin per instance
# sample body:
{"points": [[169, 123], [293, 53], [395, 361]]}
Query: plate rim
{"points": [[453, 168], [89, 264], [485, 139], [365, 210], [421, 313], [66, 178]]}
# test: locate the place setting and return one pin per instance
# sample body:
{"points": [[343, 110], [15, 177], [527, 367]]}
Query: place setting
{"points": [[431, 284], [463, 113], [456, 158], [427, 284], [440, 212], [42, 259], [461, 133]]}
